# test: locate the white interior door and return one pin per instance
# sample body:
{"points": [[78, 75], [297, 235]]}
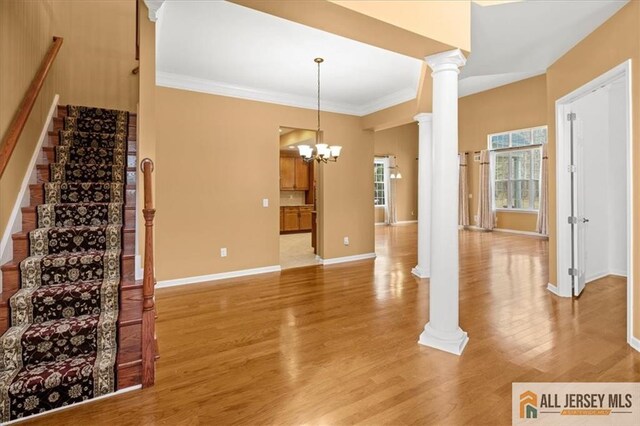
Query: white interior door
{"points": [[578, 198]]}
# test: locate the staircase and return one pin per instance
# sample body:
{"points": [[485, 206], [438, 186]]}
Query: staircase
{"points": [[70, 308]]}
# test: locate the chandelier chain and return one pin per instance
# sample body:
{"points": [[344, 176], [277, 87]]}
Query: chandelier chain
{"points": [[318, 97]]}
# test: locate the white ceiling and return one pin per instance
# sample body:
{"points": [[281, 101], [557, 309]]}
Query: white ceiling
{"points": [[226, 49], [517, 40]]}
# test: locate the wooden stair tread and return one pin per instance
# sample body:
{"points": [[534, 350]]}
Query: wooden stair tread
{"points": [[127, 187], [23, 234], [32, 209], [13, 264], [46, 166]]}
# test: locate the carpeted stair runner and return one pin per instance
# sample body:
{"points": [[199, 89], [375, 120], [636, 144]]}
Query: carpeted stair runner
{"points": [[61, 347]]}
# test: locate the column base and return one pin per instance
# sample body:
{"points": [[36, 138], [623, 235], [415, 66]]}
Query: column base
{"points": [[419, 272], [453, 343]]}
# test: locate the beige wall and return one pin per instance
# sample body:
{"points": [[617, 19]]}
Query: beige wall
{"points": [[26, 30], [402, 142], [514, 106], [347, 22], [93, 67], [98, 54], [146, 144], [446, 21], [615, 41], [218, 157]]}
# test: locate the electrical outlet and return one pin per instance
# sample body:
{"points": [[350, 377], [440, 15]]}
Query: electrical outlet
{"points": [[412, 213], [223, 252], [346, 241], [265, 202]]}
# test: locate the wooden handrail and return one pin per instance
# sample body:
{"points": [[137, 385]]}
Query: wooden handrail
{"points": [[148, 282], [14, 131]]}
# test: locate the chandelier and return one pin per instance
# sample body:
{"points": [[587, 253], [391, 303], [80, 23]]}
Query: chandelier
{"points": [[321, 152]]}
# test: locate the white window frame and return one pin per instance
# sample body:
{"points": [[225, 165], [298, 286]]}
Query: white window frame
{"points": [[385, 181], [510, 149]]}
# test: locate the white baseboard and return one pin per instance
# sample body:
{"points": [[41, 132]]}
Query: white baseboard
{"points": [[219, 276], [513, 231], [345, 259], [66, 407], [475, 228], [618, 273], [418, 272], [381, 223], [15, 219], [634, 343], [556, 290], [508, 231], [599, 275], [405, 222]]}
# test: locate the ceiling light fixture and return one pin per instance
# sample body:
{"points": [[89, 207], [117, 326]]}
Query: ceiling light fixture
{"points": [[321, 152]]}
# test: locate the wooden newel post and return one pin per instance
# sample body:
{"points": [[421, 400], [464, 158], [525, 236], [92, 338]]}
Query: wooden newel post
{"points": [[148, 282]]}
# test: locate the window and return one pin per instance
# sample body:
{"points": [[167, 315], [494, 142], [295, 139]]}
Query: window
{"points": [[378, 183], [516, 174], [518, 138]]}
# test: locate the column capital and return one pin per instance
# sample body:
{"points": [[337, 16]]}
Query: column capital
{"points": [[423, 117], [449, 60]]}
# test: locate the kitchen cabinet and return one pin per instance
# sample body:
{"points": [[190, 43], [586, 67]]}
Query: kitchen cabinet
{"points": [[287, 173], [305, 218], [291, 219], [294, 173], [281, 220], [302, 175], [296, 219]]}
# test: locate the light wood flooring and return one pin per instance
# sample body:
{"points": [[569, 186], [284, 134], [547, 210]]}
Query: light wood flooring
{"points": [[337, 345]]}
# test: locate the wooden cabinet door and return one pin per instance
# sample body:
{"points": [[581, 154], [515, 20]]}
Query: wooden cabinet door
{"points": [[302, 175], [291, 219], [287, 173], [281, 219], [305, 218]]}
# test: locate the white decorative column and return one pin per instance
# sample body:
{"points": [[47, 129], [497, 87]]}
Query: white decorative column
{"points": [[425, 136], [443, 331]]}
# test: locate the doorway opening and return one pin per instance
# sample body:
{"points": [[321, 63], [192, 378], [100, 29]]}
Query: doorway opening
{"points": [[594, 186], [298, 200], [381, 200]]}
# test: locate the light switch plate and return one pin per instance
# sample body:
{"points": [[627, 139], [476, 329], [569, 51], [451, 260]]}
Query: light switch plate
{"points": [[223, 252], [265, 202]]}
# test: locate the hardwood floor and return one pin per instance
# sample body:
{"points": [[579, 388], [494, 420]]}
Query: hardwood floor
{"points": [[337, 344]]}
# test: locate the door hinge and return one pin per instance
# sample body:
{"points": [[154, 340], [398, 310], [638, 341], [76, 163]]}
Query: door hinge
{"points": [[573, 272], [572, 220], [571, 116], [571, 168]]}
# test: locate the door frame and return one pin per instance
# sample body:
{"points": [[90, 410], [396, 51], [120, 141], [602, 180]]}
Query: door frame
{"points": [[563, 182]]}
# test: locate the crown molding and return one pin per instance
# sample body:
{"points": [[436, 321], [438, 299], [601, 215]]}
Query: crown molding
{"points": [[389, 100], [196, 84]]}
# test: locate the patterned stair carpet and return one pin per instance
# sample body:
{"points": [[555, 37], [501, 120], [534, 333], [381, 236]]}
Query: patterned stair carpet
{"points": [[61, 347]]}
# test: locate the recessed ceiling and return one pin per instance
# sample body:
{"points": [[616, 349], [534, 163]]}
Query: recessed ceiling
{"points": [[517, 40], [224, 48]]}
